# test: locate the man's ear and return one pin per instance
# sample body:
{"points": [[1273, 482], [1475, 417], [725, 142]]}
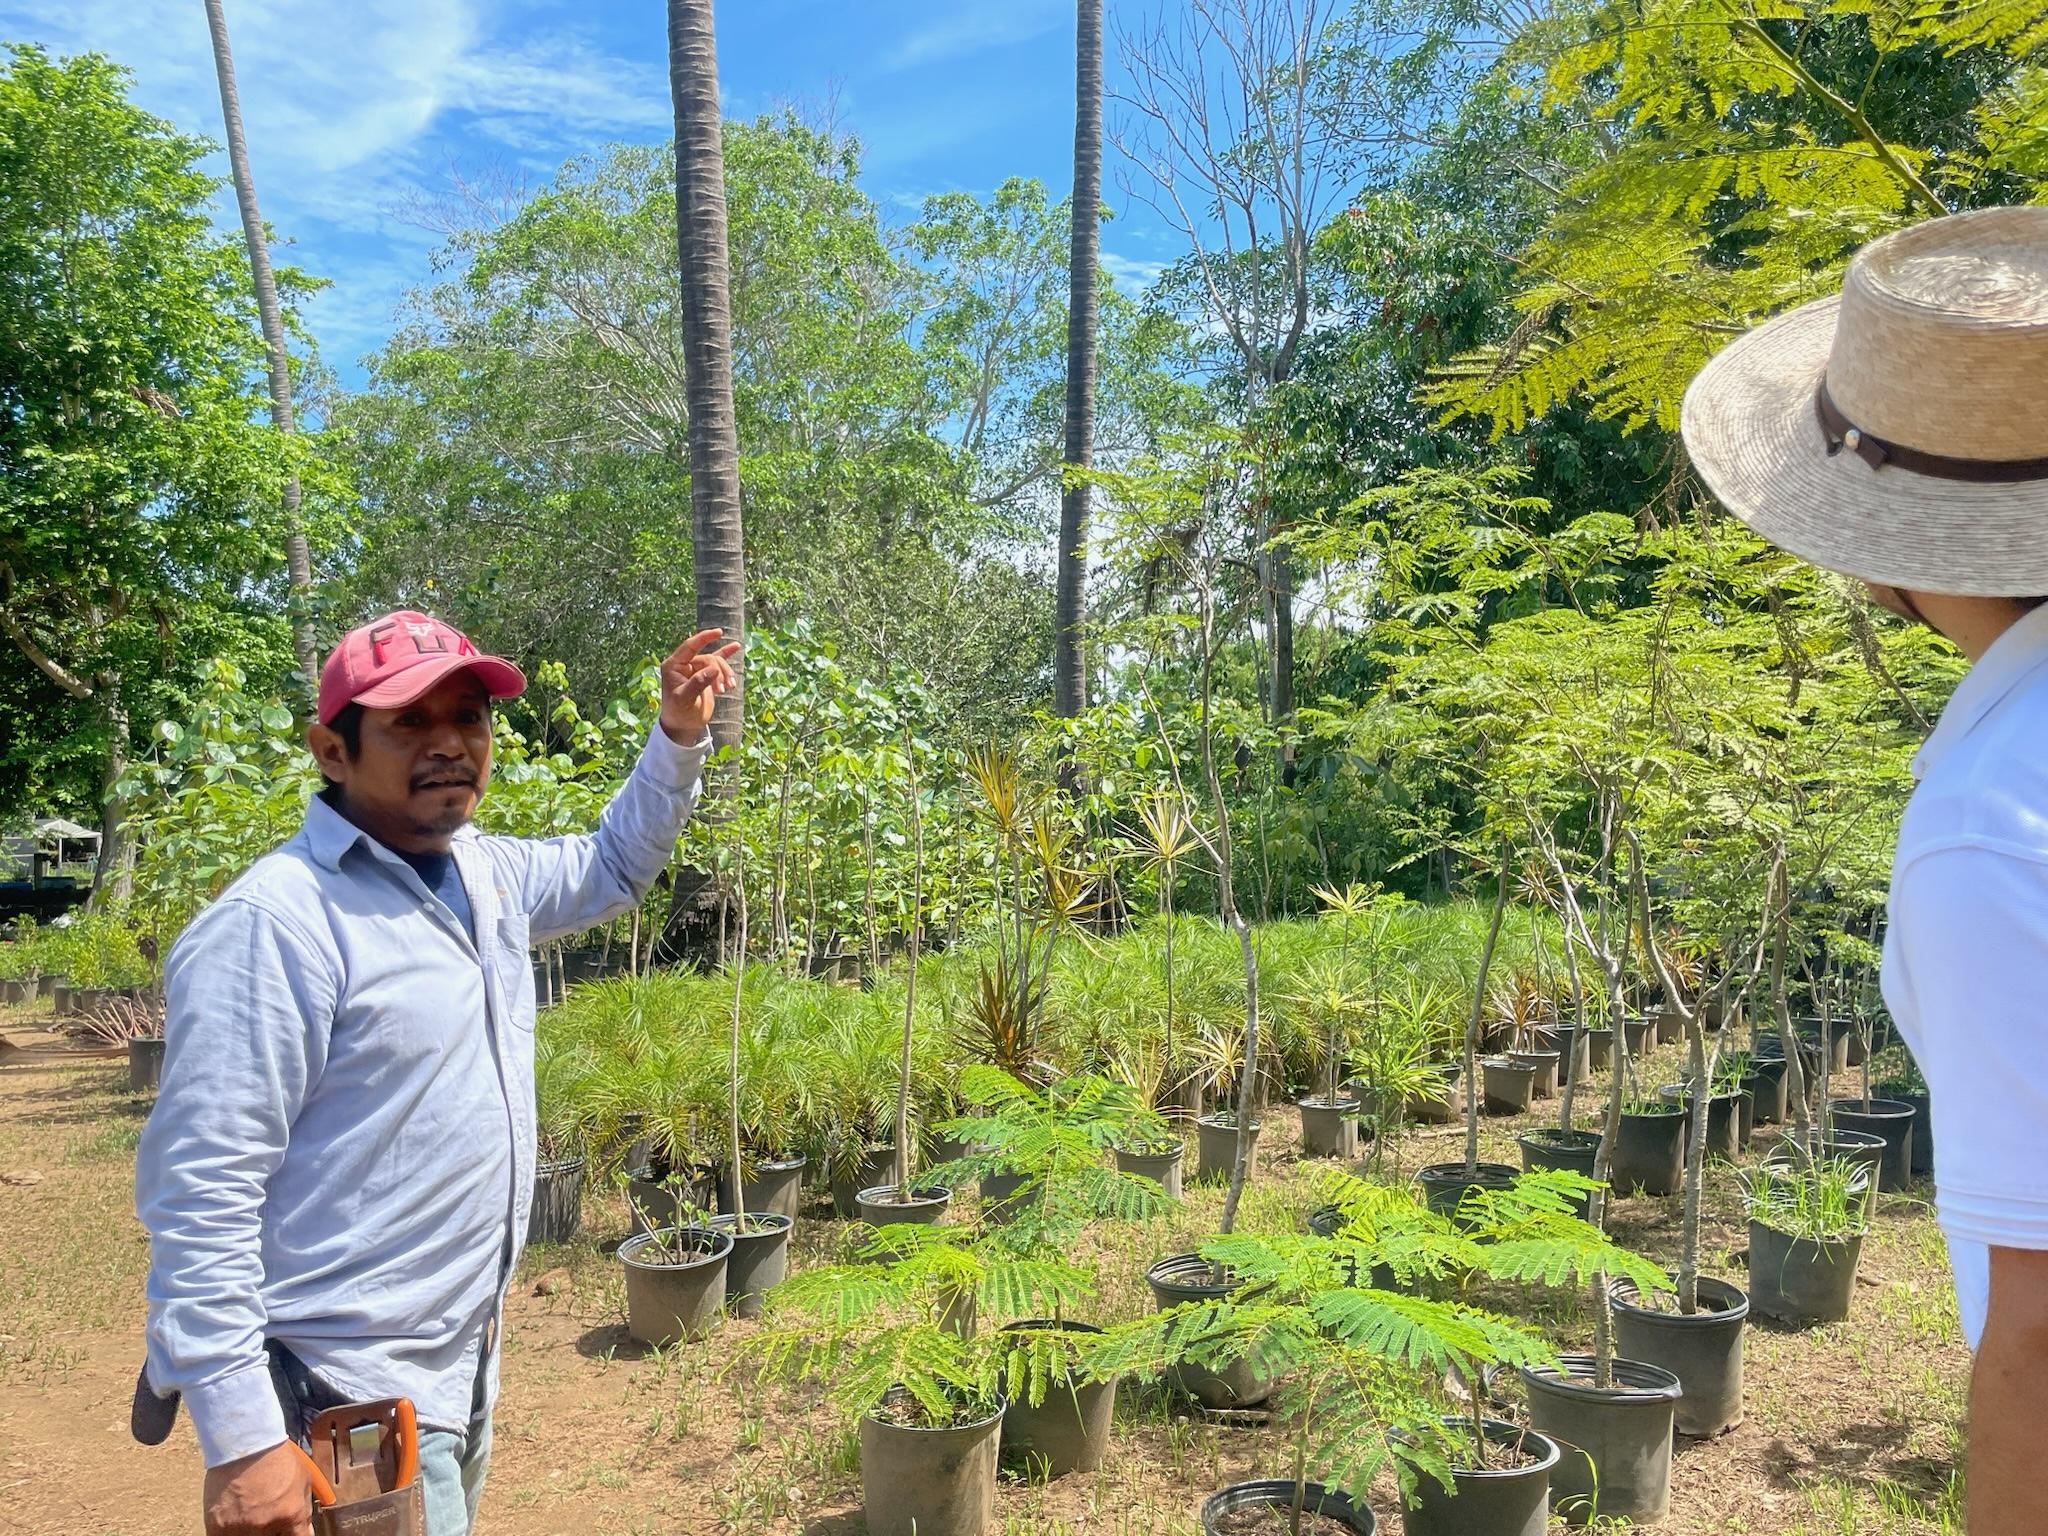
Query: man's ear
{"points": [[325, 743]]}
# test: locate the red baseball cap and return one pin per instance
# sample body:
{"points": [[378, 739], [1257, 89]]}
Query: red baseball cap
{"points": [[393, 660]]}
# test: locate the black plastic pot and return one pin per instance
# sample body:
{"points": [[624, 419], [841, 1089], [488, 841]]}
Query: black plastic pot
{"points": [[1216, 1147], [661, 1205], [1599, 1048], [1702, 1349], [555, 1214], [1617, 1440], [1834, 1042], [877, 1165], [1242, 1383], [1004, 1197], [1637, 1035], [759, 1258], [926, 1207], [65, 999], [1573, 1151], [1278, 1493], [1438, 1106], [145, 1064], [1546, 1065], [1509, 1085], [1670, 1027], [1864, 1148], [1572, 1047], [1891, 1119], [1923, 1121], [1444, 1184], [1765, 1083], [1329, 1128], [773, 1186], [1162, 1166], [16, 990], [1648, 1156], [1069, 1430], [666, 1303], [1507, 1501], [1801, 1280], [929, 1482], [1724, 1118], [48, 984]]}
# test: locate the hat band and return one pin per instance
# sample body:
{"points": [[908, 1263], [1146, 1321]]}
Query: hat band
{"points": [[1877, 453]]}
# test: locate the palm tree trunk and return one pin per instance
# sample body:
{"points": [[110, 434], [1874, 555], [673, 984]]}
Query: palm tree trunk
{"points": [[1070, 665], [719, 551], [298, 562]]}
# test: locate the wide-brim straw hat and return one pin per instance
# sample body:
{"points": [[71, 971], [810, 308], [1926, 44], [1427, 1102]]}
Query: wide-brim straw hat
{"points": [[1898, 432]]}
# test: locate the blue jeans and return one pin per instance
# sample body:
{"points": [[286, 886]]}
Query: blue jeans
{"points": [[452, 1465]]}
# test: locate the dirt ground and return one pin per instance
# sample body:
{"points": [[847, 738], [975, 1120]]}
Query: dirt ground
{"points": [[1850, 1429]]}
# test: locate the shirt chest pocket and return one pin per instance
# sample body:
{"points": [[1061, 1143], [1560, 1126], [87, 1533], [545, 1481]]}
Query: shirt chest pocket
{"points": [[515, 967]]}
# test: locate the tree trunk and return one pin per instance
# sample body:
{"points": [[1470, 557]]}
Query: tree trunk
{"points": [[1474, 1088], [297, 560], [1281, 566], [719, 552], [113, 875], [1070, 664]]}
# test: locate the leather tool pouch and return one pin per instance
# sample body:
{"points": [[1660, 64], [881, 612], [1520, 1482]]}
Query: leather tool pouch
{"points": [[372, 1459]]}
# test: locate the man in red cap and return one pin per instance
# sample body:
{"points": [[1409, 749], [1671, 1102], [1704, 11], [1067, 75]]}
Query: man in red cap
{"points": [[336, 1174]]}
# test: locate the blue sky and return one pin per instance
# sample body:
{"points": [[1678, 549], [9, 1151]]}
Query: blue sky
{"points": [[355, 109]]}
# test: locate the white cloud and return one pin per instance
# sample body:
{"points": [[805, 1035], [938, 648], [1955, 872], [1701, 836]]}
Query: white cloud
{"points": [[970, 26], [1133, 275]]}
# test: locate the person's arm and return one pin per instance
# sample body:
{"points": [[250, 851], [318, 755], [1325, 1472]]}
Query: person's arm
{"points": [[249, 1005], [1971, 924], [2007, 1494], [567, 884]]}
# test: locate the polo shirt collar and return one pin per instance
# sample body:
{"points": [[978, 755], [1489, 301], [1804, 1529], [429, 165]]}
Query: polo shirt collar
{"points": [[2014, 656]]}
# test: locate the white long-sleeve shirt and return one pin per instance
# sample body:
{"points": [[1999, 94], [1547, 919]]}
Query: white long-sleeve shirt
{"points": [[342, 1150]]}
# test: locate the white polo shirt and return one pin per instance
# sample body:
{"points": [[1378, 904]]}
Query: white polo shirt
{"points": [[1966, 955]]}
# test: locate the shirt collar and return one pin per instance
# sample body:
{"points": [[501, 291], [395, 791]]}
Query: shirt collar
{"points": [[329, 836], [2014, 656]]}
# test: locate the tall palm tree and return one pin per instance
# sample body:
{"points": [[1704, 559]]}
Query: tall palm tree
{"points": [[1070, 665], [298, 563], [707, 337]]}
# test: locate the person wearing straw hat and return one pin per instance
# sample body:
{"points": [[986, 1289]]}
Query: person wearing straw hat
{"points": [[1899, 434]]}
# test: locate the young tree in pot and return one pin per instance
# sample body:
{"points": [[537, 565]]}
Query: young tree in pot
{"points": [[1445, 1184], [903, 1193], [1358, 1371], [556, 1212], [1328, 999], [1807, 1219], [1166, 837], [1054, 1139], [886, 1338]]}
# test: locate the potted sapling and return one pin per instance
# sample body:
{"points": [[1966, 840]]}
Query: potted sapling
{"points": [[759, 1256], [1166, 836], [887, 1338], [1444, 1184], [901, 1201], [1329, 1003], [1054, 1140], [1218, 1051], [1612, 1416], [1396, 1059], [675, 1274], [1148, 1147], [1357, 1376], [1807, 1219]]}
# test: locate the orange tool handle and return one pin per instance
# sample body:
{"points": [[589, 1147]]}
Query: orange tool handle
{"points": [[323, 1490], [408, 1443]]}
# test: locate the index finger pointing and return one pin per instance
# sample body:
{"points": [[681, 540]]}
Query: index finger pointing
{"points": [[695, 644]]}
